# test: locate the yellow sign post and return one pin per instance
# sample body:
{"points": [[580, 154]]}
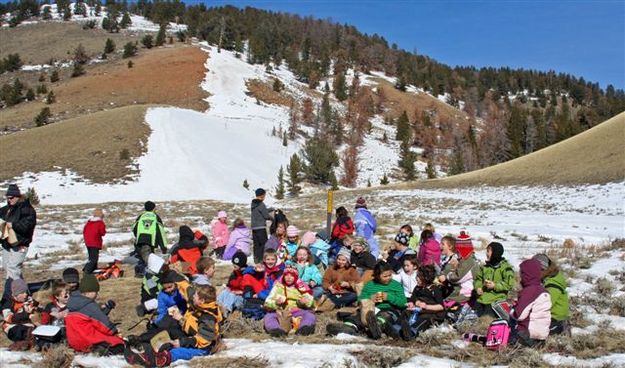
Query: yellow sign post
{"points": [[329, 212]]}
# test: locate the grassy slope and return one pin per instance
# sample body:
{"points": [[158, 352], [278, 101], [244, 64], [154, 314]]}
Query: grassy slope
{"points": [[595, 156], [89, 144]]}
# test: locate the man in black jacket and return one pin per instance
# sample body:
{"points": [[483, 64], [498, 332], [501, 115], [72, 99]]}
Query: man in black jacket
{"points": [[17, 225]]}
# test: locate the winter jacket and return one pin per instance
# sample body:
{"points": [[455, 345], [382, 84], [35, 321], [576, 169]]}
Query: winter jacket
{"points": [[262, 282], [23, 219], [533, 307], [413, 243], [13, 313], [363, 260], [220, 233], [235, 281], [202, 325], [431, 295], [275, 243], [53, 307], [93, 232], [260, 214], [343, 226], [239, 239], [502, 275], [166, 301], [461, 279], [335, 275], [430, 253], [366, 226], [87, 325], [447, 262], [395, 294], [308, 272], [396, 258], [149, 230], [320, 250], [291, 248], [294, 293], [556, 286], [200, 279], [188, 249], [408, 282]]}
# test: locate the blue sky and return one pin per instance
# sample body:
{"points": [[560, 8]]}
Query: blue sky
{"points": [[583, 38]]}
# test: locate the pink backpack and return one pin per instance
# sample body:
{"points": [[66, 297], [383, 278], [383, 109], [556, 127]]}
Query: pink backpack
{"points": [[498, 334]]}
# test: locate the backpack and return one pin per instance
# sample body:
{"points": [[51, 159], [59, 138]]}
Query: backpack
{"points": [[497, 335], [111, 271], [253, 308]]}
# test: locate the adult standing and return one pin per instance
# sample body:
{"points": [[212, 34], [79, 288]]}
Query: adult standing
{"points": [[149, 233], [366, 226], [17, 227], [260, 216], [93, 232]]}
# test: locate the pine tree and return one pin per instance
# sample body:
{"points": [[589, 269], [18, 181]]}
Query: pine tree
{"points": [[54, 77], [403, 128], [280, 187], [430, 171], [368, 183], [43, 117], [50, 98], [384, 180], [32, 196], [160, 36], [126, 21], [109, 46], [42, 89], [406, 160], [80, 55], [308, 114], [130, 64], [340, 89], [80, 9], [30, 95], [285, 142], [334, 184], [350, 166], [42, 76], [457, 162], [147, 41], [293, 121], [320, 160], [278, 86], [130, 49], [246, 185], [294, 169], [78, 70]]}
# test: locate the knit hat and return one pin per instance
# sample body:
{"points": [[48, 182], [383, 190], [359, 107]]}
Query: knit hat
{"points": [[169, 277], [185, 232], [89, 284], [345, 253], [402, 238], [323, 235], [290, 271], [13, 191], [239, 259], [361, 203], [155, 263], [149, 206], [464, 245], [18, 286], [362, 242], [308, 238], [71, 275], [259, 192], [543, 259], [292, 231], [222, 214], [496, 253]]}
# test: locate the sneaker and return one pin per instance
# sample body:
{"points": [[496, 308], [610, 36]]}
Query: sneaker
{"points": [[276, 333], [140, 310], [334, 329], [373, 325], [305, 330]]}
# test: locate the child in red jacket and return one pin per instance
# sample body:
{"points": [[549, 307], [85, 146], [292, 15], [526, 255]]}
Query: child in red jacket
{"points": [[231, 298], [342, 226], [94, 231]]}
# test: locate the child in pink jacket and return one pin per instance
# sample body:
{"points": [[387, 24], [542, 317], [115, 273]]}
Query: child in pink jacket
{"points": [[221, 234], [429, 249]]}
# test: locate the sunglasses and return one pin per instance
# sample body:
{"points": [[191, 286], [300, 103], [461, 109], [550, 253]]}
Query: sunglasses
{"points": [[9, 198]]}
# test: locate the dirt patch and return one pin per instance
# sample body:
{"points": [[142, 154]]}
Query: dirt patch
{"points": [[91, 145], [38, 43], [263, 91], [169, 76]]}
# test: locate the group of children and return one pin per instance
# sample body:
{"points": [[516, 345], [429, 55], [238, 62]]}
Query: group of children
{"points": [[399, 292]]}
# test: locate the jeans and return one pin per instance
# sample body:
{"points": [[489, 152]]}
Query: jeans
{"points": [[259, 236], [92, 264]]}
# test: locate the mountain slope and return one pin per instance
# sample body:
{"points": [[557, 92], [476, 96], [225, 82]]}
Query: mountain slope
{"points": [[595, 156]]}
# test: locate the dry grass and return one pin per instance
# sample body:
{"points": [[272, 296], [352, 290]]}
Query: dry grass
{"points": [[228, 362], [595, 156], [40, 42], [263, 91], [166, 76], [89, 145]]}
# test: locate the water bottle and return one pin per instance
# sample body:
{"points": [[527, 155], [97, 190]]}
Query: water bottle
{"points": [[413, 317]]}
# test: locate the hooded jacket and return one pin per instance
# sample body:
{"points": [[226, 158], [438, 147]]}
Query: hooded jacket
{"points": [[343, 226], [239, 239], [556, 287], [23, 218], [220, 233], [502, 275], [294, 294], [533, 307], [202, 326], [93, 232], [430, 252], [461, 279], [365, 225], [87, 325], [260, 214]]}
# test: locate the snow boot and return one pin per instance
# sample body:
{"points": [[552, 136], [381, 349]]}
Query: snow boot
{"points": [[404, 325], [366, 306], [372, 324], [334, 329], [276, 332], [305, 330]]}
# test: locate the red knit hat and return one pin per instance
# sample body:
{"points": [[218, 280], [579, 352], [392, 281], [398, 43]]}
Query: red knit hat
{"points": [[464, 245], [290, 271]]}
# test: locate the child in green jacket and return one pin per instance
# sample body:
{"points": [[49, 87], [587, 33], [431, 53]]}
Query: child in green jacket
{"points": [[555, 283], [495, 279]]}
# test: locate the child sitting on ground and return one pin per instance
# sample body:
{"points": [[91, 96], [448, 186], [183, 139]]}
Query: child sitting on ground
{"points": [[308, 272], [361, 258], [292, 242], [55, 311], [338, 282], [151, 285], [555, 283], [220, 233], [407, 276], [17, 312], [205, 271], [87, 324], [188, 249], [457, 279], [231, 298], [494, 280], [239, 240], [290, 298], [71, 277], [429, 249], [425, 306], [201, 324], [342, 226], [396, 256], [258, 283]]}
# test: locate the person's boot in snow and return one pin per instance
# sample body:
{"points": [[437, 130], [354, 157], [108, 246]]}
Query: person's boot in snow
{"points": [[276, 333], [305, 330], [334, 329], [372, 324]]}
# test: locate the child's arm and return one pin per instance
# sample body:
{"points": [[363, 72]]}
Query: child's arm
{"points": [[507, 281], [316, 276], [367, 291], [395, 295], [207, 333], [272, 302], [162, 305], [327, 279], [478, 283]]}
